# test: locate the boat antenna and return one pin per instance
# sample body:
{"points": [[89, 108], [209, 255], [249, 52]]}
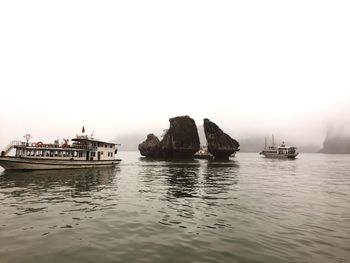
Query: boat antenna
{"points": [[273, 140], [265, 142], [27, 137]]}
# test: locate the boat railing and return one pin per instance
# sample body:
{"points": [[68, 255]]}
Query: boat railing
{"points": [[40, 145]]}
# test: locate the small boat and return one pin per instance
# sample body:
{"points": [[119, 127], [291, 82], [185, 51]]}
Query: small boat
{"points": [[83, 152], [282, 151], [203, 153]]}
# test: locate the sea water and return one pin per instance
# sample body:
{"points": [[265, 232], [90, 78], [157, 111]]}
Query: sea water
{"points": [[248, 209]]}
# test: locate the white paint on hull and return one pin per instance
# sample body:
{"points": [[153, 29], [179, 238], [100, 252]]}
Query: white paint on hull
{"points": [[280, 156], [14, 163]]}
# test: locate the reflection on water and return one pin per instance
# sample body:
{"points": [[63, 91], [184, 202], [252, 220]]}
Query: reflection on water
{"points": [[187, 179], [80, 180], [188, 189], [37, 191], [219, 177], [182, 180], [248, 209]]}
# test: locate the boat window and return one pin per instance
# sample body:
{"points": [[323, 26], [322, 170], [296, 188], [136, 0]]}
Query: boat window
{"points": [[110, 146]]}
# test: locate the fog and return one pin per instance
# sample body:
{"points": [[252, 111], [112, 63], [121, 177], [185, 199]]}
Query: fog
{"points": [[122, 69]]}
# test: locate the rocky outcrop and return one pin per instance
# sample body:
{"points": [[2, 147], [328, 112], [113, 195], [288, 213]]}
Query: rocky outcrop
{"points": [[180, 141], [220, 144], [336, 144], [150, 147]]}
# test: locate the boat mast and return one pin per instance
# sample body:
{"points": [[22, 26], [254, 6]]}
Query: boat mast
{"points": [[273, 141], [27, 137], [265, 142]]}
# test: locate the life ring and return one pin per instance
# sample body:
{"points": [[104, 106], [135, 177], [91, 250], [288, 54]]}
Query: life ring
{"points": [[39, 144]]}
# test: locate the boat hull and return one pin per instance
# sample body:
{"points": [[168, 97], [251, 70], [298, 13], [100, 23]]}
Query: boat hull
{"points": [[203, 156], [280, 156], [15, 163]]}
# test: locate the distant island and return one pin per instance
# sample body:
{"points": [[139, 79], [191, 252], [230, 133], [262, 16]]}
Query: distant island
{"points": [[336, 144]]}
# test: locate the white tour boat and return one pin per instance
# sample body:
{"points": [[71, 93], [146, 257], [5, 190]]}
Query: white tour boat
{"points": [[83, 152], [282, 151], [203, 153]]}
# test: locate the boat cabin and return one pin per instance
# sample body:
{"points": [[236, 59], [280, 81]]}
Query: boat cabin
{"points": [[286, 150], [82, 148]]}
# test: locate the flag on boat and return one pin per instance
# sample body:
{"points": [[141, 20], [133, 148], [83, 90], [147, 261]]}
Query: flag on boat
{"points": [[83, 130]]}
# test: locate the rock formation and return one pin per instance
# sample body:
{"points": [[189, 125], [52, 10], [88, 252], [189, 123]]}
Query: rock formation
{"points": [[180, 141], [151, 147], [220, 144]]}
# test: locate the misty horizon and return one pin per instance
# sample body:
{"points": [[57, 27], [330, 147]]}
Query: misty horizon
{"points": [[249, 143], [302, 133]]}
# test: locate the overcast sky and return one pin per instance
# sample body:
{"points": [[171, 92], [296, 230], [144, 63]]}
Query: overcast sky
{"points": [[127, 66]]}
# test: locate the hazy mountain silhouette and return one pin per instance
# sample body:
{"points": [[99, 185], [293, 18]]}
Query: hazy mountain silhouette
{"points": [[130, 142], [336, 144], [257, 143]]}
